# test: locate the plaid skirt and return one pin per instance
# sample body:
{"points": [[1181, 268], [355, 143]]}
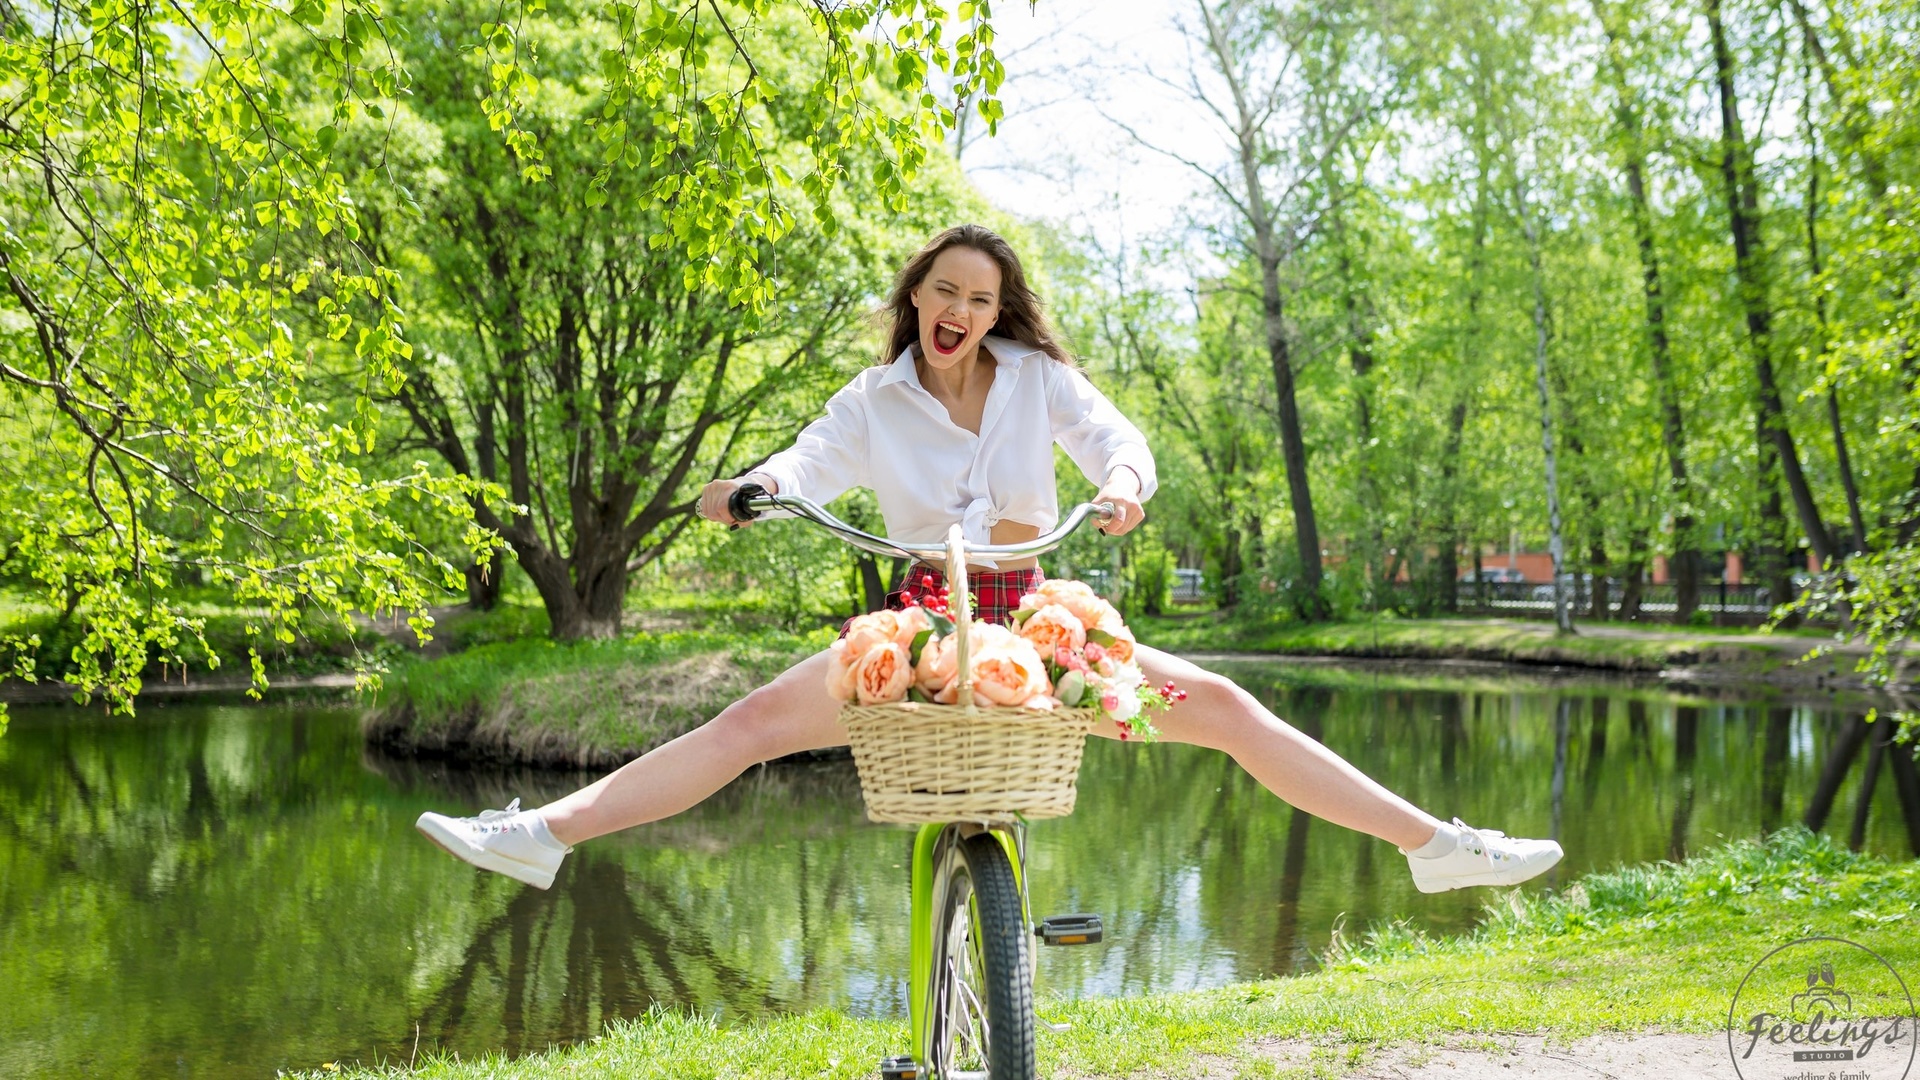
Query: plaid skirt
{"points": [[996, 593]]}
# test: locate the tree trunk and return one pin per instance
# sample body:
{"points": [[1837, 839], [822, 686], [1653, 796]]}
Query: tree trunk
{"points": [[1773, 767], [1360, 338], [586, 604], [1743, 212], [1833, 772], [1602, 595], [1231, 571], [1594, 526], [1684, 564], [1863, 803], [1771, 563], [1457, 416], [1556, 545], [1446, 564], [1858, 541], [1310, 598], [484, 583], [1634, 574], [1686, 738], [1906, 784], [873, 591], [1253, 546]]}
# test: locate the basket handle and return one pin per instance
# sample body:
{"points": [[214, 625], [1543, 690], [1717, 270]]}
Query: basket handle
{"points": [[960, 605]]}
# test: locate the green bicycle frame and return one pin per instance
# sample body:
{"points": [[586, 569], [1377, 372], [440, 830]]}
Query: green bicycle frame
{"points": [[926, 843]]}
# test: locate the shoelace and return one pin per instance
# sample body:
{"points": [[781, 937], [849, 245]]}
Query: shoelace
{"points": [[488, 818], [1475, 840]]}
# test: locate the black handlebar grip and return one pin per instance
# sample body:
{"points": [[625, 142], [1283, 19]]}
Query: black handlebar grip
{"points": [[737, 502]]}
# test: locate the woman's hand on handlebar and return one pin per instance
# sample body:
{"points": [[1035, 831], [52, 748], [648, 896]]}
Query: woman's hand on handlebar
{"points": [[713, 497], [1123, 491]]}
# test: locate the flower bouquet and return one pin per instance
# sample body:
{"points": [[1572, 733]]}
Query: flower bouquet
{"points": [[953, 720]]}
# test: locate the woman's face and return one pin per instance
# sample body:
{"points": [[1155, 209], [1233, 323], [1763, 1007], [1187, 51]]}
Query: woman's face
{"points": [[958, 301]]}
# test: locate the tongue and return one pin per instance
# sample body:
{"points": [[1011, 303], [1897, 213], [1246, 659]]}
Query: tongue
{"points": [[945, 340]]}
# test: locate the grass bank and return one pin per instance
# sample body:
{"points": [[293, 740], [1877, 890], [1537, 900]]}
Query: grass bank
{"points": [[512, 694], [1608, 646], [1653, 947], [323, 647], [493, 687]]}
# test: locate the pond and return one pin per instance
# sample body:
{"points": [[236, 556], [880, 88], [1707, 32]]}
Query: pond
{"points": [[223, 891]]}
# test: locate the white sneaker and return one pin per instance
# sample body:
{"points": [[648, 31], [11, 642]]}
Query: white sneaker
{"points": [[1482, 857], [513, 842]]}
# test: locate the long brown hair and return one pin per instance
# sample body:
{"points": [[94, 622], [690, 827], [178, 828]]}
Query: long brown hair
{"points": [[1022, 317]]}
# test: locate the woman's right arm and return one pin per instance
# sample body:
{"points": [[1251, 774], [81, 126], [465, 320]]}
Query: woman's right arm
{"points": [[828, 457]]}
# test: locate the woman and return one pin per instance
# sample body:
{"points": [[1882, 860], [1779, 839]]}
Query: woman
{"points": [[960, 426]]}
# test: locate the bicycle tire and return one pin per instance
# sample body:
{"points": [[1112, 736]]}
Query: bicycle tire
{"points": [[981, 970]]}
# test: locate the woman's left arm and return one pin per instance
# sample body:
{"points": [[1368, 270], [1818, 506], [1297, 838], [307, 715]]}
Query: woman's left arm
{"points": [[1109, 449]]}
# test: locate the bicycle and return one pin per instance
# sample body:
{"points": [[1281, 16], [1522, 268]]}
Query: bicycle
{"points": [[970, 967]]}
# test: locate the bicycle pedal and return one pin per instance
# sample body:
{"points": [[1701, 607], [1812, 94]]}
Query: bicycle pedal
{"points": [[900, 1068], [1069, 930]]}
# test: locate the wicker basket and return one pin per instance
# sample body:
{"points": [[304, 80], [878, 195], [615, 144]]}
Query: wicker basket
{"points": [[922, 763], [932, 763]]}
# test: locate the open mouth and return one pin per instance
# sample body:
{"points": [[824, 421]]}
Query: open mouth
{"points": [[947, 337]]}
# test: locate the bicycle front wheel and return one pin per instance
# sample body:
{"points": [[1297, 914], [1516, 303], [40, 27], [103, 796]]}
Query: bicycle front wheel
{"points": [[982, 1015]]}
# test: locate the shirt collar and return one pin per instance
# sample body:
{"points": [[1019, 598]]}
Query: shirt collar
{"points": [[1006, 353]]}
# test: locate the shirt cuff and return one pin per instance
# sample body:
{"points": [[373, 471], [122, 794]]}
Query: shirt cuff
{"points": [[1141, 462]]}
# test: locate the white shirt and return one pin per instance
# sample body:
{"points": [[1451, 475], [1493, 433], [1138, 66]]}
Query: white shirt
{"points": [[885, 431]]}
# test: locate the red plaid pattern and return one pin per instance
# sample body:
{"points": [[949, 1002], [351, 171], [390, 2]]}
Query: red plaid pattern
{"points": [[996, 593]]}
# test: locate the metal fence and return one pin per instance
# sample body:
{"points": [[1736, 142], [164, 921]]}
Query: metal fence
{"points": [[1743, 602]]}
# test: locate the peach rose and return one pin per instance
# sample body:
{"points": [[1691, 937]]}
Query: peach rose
{"points": [[1076, 596], [1058, 589], [866, 631], [1100, 613], [882, 675], [1009, 674], [936, 667], [1053, 628], [909, 621], [1122, 647], [839, 672]]}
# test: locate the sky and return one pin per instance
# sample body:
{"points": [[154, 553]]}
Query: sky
{"points": [[1077, 70]]}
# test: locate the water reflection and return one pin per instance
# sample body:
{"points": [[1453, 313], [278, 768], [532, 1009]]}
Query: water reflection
{"points": [[207, 891]]}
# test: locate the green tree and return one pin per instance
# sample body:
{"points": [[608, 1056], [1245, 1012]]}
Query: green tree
{"points": [[182, 256], [591, 373]]}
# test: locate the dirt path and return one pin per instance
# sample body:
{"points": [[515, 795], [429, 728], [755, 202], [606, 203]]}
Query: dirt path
{"points": [[1507, 1056]]}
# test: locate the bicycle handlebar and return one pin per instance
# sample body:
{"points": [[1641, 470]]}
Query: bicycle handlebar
{"points": [[749, 501]]}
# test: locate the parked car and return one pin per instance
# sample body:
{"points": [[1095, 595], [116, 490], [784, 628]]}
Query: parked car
{"points": [[1498, 575], [1577, 585]]}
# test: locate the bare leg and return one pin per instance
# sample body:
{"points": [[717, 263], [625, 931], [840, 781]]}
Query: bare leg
{"points": [[1220, 715], [790, 714]]}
